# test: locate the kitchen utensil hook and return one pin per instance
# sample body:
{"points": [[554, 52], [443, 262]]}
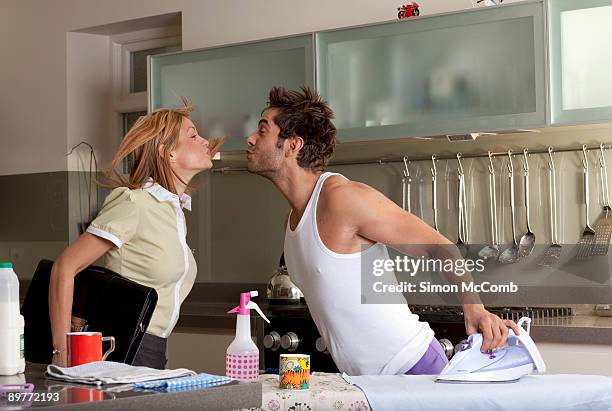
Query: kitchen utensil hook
{"points": [[585, 162], [434, 170], [602, 160], [406, 169], [604, 176], [460, 165], [491, 168], [551, 163], [526, 165], [510, 165]]}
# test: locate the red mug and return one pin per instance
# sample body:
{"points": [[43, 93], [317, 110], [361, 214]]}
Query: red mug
{"points": [[81, 394], [85, 347]]}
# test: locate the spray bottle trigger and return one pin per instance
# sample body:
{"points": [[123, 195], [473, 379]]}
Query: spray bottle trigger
{"points": [[234, 310], [254, 306]]}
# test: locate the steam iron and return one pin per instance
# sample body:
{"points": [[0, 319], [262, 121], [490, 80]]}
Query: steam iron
{"points": [[518, 358]]}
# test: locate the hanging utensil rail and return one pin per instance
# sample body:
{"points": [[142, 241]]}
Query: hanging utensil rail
{"points": [[389, 160]]}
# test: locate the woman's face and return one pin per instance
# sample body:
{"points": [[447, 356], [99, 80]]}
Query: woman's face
{"points": [[191, 154]]}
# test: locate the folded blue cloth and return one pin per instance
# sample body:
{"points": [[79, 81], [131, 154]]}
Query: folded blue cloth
{"points": [[191, 387], [199, 380]]}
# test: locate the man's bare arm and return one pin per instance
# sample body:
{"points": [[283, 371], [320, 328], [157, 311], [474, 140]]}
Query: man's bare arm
{"points": [[379, 219]]}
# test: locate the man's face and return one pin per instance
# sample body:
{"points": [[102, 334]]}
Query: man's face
{"points": [[264, 156]]}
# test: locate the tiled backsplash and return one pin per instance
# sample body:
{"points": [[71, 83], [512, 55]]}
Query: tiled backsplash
{"points": [[34, 207], [39, 213], [246, 234]]}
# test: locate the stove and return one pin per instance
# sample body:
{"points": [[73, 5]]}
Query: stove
{"points": [[292, 330], [455, 314]]}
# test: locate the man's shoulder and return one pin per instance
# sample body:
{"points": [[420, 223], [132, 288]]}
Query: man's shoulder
{"points": [[338, 190]]}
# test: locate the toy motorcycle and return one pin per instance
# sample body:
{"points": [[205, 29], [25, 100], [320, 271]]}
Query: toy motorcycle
{"points": [[408, 10]]}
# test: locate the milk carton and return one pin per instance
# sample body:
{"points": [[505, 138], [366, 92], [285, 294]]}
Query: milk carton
{"points": [[12, 359]]}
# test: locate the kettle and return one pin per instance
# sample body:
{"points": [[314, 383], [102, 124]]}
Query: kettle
{"points": [[281, 289]]}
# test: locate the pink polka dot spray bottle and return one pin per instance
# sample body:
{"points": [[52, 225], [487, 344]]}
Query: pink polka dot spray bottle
{"points": [[242, 355]]}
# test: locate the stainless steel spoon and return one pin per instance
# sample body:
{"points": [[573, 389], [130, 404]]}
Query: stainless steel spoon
{"points": [[461, 214], [511, 255], [491, 251], [528, 239]]}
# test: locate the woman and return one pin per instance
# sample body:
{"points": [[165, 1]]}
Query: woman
{"points": [[141, 229]]}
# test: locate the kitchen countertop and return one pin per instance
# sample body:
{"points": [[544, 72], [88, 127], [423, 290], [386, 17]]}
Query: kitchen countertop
{"points": [[64, 395], [583, 328]]}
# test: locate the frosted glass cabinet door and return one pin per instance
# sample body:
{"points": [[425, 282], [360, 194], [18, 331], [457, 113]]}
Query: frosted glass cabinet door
{"points": [[229, 86], [463, 72], [580, 60]]}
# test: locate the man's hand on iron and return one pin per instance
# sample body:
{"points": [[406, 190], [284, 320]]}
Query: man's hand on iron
{"points": [[494, 330]]}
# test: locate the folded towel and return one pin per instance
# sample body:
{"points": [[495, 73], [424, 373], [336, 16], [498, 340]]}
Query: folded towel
{"points": [[109, 372], [202, 380]]}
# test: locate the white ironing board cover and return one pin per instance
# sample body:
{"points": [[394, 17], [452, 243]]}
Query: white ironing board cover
{"points": [[555, 392]]}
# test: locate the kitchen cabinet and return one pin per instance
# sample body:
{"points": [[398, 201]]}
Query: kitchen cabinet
{"points": [[580, 60], [480, 70], [229, 85]]}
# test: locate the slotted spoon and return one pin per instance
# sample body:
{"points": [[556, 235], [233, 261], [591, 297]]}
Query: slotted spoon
{"points": [[603, 225], [588, 235], [553, 252]]}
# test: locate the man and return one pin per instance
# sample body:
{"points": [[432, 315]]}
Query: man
{"points": [[334, 224]]}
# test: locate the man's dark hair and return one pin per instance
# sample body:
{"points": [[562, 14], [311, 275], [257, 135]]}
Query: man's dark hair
{"points": [[304, 114]]}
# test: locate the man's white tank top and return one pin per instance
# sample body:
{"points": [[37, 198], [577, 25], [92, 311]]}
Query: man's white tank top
{"points": [[363, 339]]}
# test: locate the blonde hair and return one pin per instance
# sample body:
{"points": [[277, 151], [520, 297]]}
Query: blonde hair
{"points": [[162, 127]]}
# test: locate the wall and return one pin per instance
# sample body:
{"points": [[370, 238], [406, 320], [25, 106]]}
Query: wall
{"points": [[35, 48], [88, 73], [55, 88]]}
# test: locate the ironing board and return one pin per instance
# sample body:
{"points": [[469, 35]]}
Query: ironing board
{"points": [[533, 392]]}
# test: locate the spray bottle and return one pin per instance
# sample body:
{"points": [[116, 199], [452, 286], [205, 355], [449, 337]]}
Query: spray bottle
{"points": [[242, 355]]}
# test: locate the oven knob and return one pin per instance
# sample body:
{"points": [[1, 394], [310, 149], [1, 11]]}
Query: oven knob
{"points": [[290, 341], [459, 346], [447, 347], [321, 346], [272, 341]]}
